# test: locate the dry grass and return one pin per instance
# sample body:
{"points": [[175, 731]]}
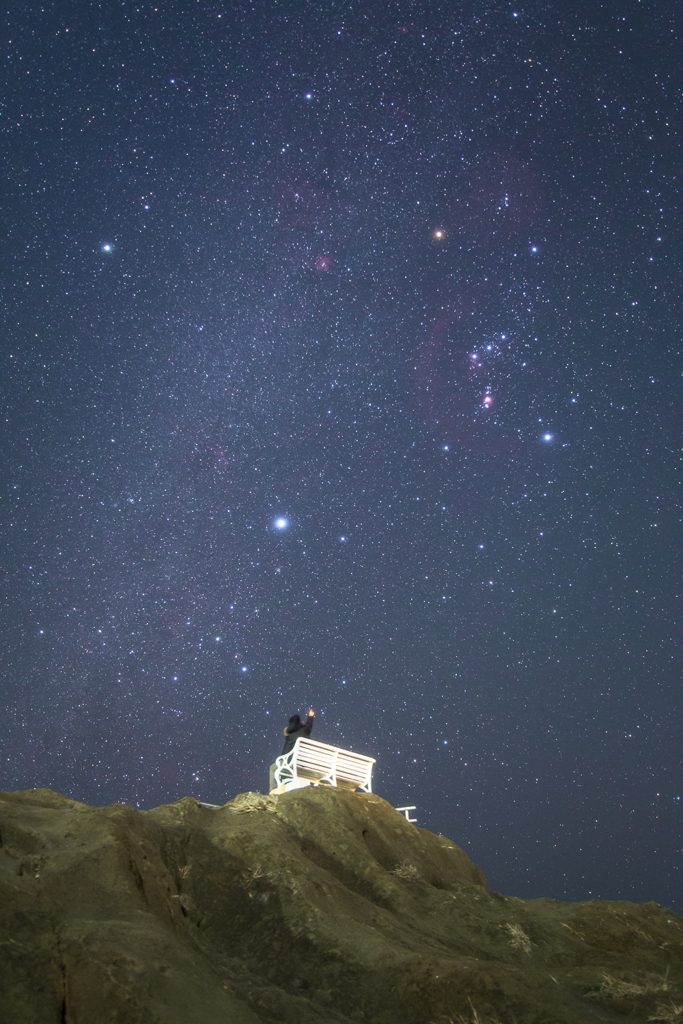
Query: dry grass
{"points": [[671, 1014], [251, 875], [268, 882], [408, 872], [519, 938], [246, 802], [618, 988], [475, 1019], [471, 1018]]}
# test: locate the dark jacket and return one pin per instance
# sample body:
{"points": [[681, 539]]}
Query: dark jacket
{"points": [[295, 729]]}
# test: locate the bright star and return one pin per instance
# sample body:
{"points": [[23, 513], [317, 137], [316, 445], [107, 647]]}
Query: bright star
{"points": [[106, 247], [281, 523], [547, 437]]}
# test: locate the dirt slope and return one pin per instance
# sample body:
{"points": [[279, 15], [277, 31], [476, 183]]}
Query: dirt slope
{"points": [[317, 906]]}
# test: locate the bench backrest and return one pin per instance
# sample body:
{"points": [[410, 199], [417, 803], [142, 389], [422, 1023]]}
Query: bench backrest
{"points": [[321, 758]]}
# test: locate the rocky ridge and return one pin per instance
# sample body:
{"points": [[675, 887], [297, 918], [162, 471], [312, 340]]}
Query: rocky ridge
{"points": [[316, 906]]}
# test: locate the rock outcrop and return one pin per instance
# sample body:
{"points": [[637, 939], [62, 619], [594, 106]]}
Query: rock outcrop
{"points": [[316, 906]]}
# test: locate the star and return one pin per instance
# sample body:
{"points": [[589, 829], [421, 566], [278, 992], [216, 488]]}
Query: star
{"points": [[281, 523]]}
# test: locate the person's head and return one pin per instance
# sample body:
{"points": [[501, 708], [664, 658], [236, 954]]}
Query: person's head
{"points": [[294, 721]]}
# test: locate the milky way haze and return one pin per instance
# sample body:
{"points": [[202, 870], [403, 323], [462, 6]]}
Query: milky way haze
{"points": [[341, 368]]}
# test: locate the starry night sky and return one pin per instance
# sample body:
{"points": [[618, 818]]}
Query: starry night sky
{"points": [[341, 367]]}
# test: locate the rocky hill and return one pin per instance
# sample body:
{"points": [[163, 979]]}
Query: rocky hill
{"points": [[317, 906]]}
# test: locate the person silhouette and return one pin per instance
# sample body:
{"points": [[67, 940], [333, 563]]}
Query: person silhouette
{"points": [[296, 728], [293, 730]]}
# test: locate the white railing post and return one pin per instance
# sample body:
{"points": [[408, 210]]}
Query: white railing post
{"points": [[406, 811]]}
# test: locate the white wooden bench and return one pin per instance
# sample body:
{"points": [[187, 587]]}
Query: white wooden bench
{"points": [[310, 763]]}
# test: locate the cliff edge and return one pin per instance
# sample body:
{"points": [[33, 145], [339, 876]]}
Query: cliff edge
{"points": [[317, 906]]}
